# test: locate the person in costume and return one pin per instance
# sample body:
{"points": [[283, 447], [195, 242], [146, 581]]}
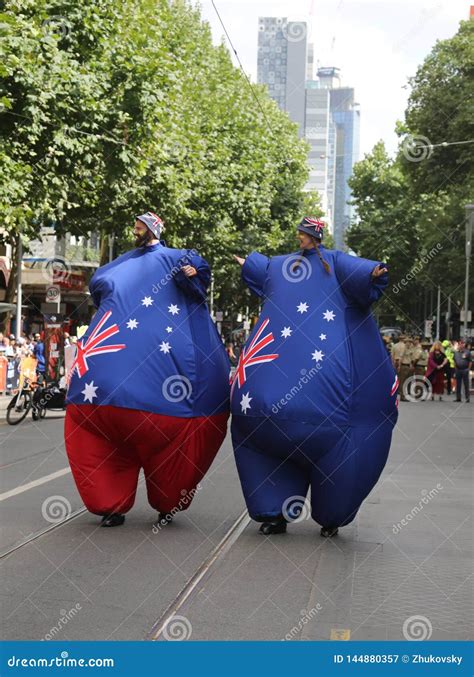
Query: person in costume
{"points": [[314, 395], [149, 386]]}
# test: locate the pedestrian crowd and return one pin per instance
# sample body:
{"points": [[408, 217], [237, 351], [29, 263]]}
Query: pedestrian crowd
{"points": [[443, 366]]}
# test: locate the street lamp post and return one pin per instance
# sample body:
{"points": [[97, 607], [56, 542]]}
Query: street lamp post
{"points": [[19, 294], [469, 227]]}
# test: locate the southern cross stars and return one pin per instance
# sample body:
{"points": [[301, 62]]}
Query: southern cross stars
{"points": [[245, 402], [328, 315], [286, 331], [302, 307], [89, 392], [147, 301], [322, 337], [317, 355], [165, 347], [169, 330], [132, 324], [173, 309]]}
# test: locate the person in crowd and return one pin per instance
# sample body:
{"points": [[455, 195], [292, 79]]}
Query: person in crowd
{"points": [[39, 354], [420, 357], [435, 369], [406, 368], [462, 365], [398, 350], [449, 369]]}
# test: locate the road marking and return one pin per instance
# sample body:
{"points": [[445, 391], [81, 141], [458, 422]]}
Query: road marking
{"points": [[34, 483], [338, 634]]}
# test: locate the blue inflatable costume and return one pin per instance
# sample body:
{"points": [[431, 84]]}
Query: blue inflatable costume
{"points": [[314, 396]]}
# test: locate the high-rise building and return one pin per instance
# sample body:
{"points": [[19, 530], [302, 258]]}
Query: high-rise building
{"points": [[282, 64], [326, 113]]}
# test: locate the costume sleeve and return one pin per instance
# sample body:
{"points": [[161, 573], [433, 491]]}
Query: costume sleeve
{"points": [[254, 272], [95, 293], [196, 286], [355, 277]]}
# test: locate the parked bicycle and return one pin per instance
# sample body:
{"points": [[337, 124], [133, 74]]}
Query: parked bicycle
{"points": [[35, 397]]}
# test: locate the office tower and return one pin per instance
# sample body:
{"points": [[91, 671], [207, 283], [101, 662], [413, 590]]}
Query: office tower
{"points": [[282, 64], [326, 113]]}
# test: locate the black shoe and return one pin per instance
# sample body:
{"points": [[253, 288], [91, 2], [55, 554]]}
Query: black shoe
{"points": [[457, 400], [328, 532], [277, 526], [163, 519], [115, 519]]}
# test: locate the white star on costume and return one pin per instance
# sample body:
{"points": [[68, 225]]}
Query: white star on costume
{"points": [[89, 391], [329, 315], [286, 331], [147, 301], [322, 337], [169, 330], [317, 355], [173, 309], [165, 347], [302, 307], [132, 324], [245, 402]]}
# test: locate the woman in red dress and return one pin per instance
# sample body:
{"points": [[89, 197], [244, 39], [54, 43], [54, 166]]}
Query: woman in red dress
{"points": [[435, 371]]}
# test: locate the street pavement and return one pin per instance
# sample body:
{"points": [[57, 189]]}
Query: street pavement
{"points": [[403, 567]]}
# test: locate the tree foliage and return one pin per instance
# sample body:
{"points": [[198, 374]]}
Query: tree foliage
{"points": [[110, 109], [411, 209]]}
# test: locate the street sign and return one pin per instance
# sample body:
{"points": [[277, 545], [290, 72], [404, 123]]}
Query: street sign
{"points": [[247, 325], [469, 315], [53, 294], [428, 328], [219, 315]]}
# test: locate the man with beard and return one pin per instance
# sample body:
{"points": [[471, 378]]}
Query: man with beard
{"points": [[156, 395]]}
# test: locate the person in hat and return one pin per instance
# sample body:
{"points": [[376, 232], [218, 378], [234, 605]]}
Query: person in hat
{"points": [[149, 386], [314, 395]]}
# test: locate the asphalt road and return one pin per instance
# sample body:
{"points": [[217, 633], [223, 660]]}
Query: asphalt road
{"points": [[125, 583]]}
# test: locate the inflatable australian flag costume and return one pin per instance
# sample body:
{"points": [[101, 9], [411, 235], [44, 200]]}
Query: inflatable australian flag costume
{"points": [[314, 396], [149, 387]]}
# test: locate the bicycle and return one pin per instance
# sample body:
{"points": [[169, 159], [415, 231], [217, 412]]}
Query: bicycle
{"points": [[21, 403]]}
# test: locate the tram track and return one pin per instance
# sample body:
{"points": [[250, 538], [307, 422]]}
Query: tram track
{"points": [[43, 532], [201, 574]]}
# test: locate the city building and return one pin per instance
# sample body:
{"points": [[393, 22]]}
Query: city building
{"points": [[326, 113]]}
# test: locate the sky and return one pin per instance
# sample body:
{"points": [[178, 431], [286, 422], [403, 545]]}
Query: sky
{"points": [[377, 44]]}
